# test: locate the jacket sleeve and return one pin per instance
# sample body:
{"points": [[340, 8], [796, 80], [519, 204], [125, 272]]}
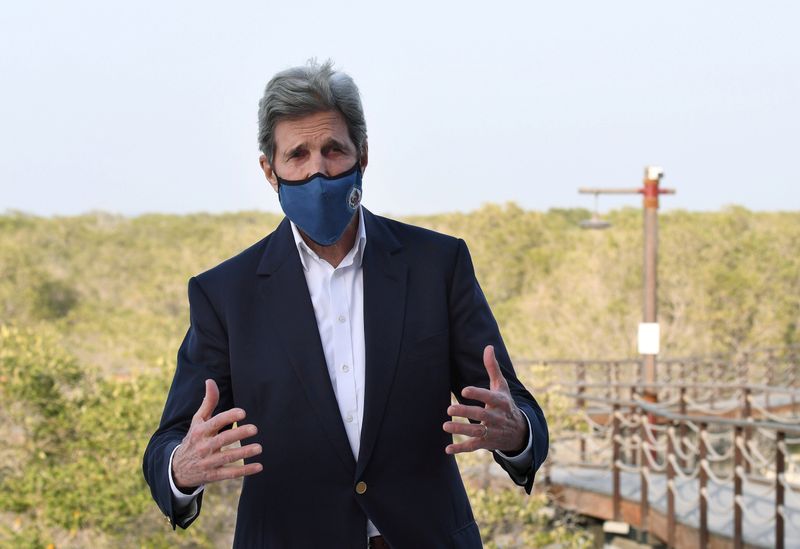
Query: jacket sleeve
{"points": [[472, 327], [202, 355]]}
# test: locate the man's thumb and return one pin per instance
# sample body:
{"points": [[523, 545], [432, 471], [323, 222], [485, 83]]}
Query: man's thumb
{"points": [[210, 400], [491, 365]]}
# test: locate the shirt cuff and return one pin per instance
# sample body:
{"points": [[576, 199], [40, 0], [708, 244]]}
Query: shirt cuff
{"points": [[185, 504], [522, 461]]}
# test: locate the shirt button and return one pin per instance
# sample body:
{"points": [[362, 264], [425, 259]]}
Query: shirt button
{"points": [[348, 418], [345, 368], [342, 318], [361, 487]]}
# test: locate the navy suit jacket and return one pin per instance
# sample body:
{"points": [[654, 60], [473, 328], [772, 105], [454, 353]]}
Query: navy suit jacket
{"points": [[253, 331]]}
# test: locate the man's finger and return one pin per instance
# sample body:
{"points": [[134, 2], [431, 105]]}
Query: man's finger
{"points": [[469, 446], [496, 378], [468, 429], [477, 413], [241, 432], [210, 400], [223, 419], [232, 455], [226, 473], [486, 396]]}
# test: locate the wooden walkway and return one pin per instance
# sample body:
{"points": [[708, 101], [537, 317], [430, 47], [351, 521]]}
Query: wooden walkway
{"points": [[590, 492], [708, 457]]}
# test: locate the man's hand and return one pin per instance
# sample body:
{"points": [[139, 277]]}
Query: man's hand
{"points": [[502, 426], [200, 458]]}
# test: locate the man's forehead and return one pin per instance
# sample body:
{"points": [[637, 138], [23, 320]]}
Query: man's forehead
{"points": [[317, 127]]}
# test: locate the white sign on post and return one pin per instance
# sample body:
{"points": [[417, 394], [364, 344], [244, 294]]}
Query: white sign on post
{"points": [[649, 336]]}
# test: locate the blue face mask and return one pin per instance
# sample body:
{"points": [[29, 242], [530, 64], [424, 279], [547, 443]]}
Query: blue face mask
{"points": [[322, 206]]}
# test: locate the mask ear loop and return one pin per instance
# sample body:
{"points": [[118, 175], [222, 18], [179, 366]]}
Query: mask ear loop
{"points": [[275, 173]]}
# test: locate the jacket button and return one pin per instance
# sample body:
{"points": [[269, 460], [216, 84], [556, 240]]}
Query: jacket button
{"points": [[361, 487]]}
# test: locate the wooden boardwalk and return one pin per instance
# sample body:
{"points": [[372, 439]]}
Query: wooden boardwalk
{"points": [[590, 492], [707, 457]]}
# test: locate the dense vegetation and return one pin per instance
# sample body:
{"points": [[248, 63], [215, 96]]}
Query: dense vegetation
{"points": [[93, 308]]}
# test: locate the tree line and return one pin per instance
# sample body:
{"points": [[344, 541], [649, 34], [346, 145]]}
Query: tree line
{"points": [[93, 309]]}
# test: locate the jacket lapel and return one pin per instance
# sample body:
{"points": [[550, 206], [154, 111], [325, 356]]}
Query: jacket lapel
{"points": [[290, 313], [385, 277]]}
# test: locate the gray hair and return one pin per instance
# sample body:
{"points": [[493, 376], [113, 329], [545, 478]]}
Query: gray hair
{"points": [[309, 89]]}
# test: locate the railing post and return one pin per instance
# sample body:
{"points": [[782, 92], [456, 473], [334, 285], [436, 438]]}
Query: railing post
{"points": [[670, 486], [738, 471], [633, 454], [615, 455], [780, 466], [644, 503], [580, 375], [703, 476], [747, 414], [682, 427]]}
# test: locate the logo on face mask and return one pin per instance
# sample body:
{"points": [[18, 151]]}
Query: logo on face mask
{"points": [[354, 199]]}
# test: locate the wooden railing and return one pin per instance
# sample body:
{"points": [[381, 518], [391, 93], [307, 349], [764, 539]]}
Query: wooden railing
{"points": [[701, 434]]}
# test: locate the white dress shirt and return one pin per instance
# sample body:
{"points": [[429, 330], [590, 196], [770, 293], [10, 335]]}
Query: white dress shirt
{"points": [[337, 295]]}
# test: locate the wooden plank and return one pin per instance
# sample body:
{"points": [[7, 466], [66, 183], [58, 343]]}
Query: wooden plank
{"points": [[583, 502], [601, 507]]}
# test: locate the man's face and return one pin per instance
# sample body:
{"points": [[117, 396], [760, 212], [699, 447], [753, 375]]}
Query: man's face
{"points": [[317, 143]]}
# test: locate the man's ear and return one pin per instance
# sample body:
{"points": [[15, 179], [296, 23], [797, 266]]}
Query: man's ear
{"points": [[364, 157], [269, 173]]}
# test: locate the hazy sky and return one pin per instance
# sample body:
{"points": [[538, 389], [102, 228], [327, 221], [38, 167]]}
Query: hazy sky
{"points": [[147, 106]]}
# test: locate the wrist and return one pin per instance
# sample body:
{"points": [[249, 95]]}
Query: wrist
{"points": [[182, 485], [188, 490], [177, 480]]}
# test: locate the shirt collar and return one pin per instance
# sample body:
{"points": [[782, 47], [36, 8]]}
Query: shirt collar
{"points": [[357, 251]]}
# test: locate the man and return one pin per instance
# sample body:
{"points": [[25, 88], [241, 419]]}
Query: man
{"points": [[339, 339]]}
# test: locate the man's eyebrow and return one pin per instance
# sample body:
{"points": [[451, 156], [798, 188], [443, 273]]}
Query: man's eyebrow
{"points": [[333, 142], [290, 152]]}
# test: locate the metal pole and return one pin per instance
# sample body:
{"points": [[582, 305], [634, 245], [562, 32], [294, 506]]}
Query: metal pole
{"points": [[651, 192], [651, 180]]}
